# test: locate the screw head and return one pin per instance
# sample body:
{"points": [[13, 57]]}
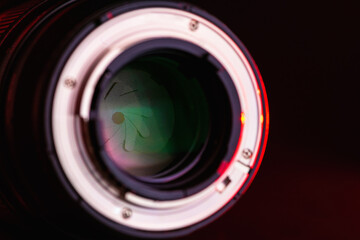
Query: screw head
{"points": [[247, 153], [126, 213], [70, 83], [194, 25]]}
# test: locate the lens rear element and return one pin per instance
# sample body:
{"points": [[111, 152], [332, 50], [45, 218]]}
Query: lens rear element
{"points": [[151, 116]]}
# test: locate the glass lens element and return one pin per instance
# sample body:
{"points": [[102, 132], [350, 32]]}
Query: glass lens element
{"points": [[152, 116]]}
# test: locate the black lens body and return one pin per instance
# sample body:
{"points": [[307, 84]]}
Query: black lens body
{"points": [[36, 39]]}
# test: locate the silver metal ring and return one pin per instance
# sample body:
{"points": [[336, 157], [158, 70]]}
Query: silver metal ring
{"points": [[74, 94]]}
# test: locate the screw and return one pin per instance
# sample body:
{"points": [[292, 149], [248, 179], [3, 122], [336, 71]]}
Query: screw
{"points": [[70, 83], [126, 213], [194, 25], [247, 153]]}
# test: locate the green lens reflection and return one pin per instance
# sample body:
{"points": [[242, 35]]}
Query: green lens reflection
{"points": [[147, 119]]}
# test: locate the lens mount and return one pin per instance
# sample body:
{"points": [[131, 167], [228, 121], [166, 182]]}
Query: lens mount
{"points": [[134, 202]]}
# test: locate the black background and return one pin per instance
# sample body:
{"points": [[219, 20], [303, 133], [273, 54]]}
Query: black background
{"points": [[308, 185]]}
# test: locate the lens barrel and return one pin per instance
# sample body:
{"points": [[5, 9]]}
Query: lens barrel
{"points": [[143, 119]]}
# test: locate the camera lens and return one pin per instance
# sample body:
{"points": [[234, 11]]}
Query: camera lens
{"points": [[145, 119]]}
